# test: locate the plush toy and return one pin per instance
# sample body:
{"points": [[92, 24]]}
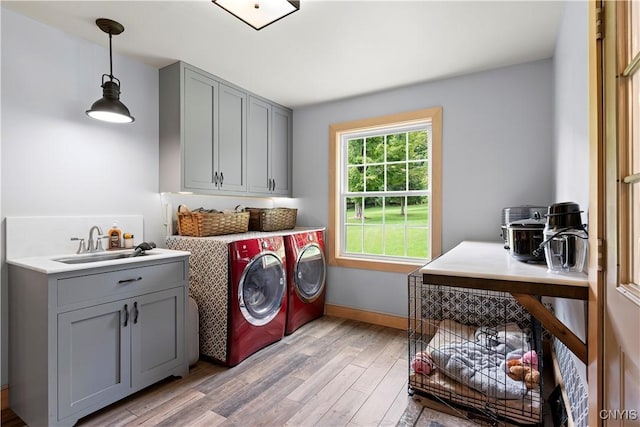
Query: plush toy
{"points": [[422, 363], [530, 358], [521, 372]]}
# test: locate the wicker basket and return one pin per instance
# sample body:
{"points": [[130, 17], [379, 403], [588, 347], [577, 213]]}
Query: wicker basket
{"points": [[272, 219], [202, 224]]}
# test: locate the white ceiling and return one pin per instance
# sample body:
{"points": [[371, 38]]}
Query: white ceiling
{"points": [[328, 50]]}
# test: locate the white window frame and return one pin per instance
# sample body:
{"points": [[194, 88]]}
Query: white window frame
{"points": [[344, 193], [336, 231]]}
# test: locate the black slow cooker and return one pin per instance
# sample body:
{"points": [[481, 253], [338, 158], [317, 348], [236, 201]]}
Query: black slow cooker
{"points": [[524, 237]]}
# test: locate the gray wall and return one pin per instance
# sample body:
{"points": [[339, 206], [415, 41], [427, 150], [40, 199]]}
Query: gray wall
{"points": [[571, 135], [497, 152], [57, 161]]}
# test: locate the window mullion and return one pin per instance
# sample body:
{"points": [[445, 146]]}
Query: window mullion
{"points": [[384, 228], [406, 161], [405, 225]]}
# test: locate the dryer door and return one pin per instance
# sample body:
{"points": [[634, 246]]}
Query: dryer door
{"points": [[262, 288], [309, 273]]}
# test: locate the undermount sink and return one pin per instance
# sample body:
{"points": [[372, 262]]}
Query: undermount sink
{"points": [[82, 259]]}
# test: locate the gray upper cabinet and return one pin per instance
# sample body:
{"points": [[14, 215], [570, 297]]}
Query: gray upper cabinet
{"points": [[202, 133], [232, 139], [259, 180], [200, 138], [281, 131], [269, 148], [218, 138]]}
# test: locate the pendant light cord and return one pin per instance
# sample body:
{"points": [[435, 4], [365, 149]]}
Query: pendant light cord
{"points": [[110, 59]]}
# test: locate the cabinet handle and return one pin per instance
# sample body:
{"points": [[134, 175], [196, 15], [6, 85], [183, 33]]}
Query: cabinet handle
{"points": [[135, 311], [221, 179], [215, 179], [120, 282], [274, 184], [126, 315], [269, 184]]}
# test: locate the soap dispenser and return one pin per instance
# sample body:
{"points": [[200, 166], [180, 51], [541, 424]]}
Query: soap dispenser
{"points": [[115, 237]]}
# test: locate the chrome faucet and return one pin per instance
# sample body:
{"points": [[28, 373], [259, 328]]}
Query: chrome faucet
{"points": [[81, 248], [97, 247]]}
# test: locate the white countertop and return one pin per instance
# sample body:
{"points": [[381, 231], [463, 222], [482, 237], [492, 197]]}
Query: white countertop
{"points": [[488, 260], [47, 265]]}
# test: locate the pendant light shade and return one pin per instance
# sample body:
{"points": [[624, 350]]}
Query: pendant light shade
{"points": [[109, 108], [259, 13]]}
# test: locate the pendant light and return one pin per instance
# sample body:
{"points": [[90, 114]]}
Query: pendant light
{"points": [[109, 108], [259, 13]]}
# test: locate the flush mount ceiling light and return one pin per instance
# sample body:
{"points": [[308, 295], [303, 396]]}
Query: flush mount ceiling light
{"points": [[109, 108], [259, 13]]}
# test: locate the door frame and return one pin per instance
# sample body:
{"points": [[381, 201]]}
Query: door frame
{"points": [[597, 205]]}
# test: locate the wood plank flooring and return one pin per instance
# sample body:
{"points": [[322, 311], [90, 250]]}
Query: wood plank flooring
{"points": [[330, 372]]}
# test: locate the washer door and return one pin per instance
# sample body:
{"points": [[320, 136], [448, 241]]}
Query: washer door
{"points": [[262, 288], [309, 273]]}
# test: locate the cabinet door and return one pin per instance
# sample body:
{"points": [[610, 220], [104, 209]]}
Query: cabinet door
{"points": [[157, 336], [258, 138], [93, 357], [280, 151], [231, 139], [200, 130]]}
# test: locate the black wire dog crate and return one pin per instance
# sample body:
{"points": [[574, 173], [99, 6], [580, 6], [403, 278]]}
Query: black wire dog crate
{"points": [[476, 351]]}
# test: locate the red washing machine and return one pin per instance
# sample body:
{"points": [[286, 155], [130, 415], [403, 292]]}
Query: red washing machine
{"points": [[257, 313], [306, 274]]}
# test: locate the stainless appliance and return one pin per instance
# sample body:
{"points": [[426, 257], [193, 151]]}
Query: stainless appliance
{"points": [[565, 238], [524, 237], [517, 213]]}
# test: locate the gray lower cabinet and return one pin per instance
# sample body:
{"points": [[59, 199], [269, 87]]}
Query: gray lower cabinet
{"points": [[269, 148], [81, 341], [93, 358]]}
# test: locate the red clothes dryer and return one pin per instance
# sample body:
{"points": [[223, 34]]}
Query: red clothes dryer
{"points": [[306, 277], [257, 295]]}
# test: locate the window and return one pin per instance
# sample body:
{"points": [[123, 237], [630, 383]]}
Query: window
{"points": [[385, 191], [629, 149]]}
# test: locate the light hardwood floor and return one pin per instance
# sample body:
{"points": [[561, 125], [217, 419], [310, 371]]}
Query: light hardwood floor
{"points": [[330, 372]]}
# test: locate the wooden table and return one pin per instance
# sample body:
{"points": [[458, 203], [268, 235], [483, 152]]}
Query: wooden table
{"points": [[488, 266]]}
